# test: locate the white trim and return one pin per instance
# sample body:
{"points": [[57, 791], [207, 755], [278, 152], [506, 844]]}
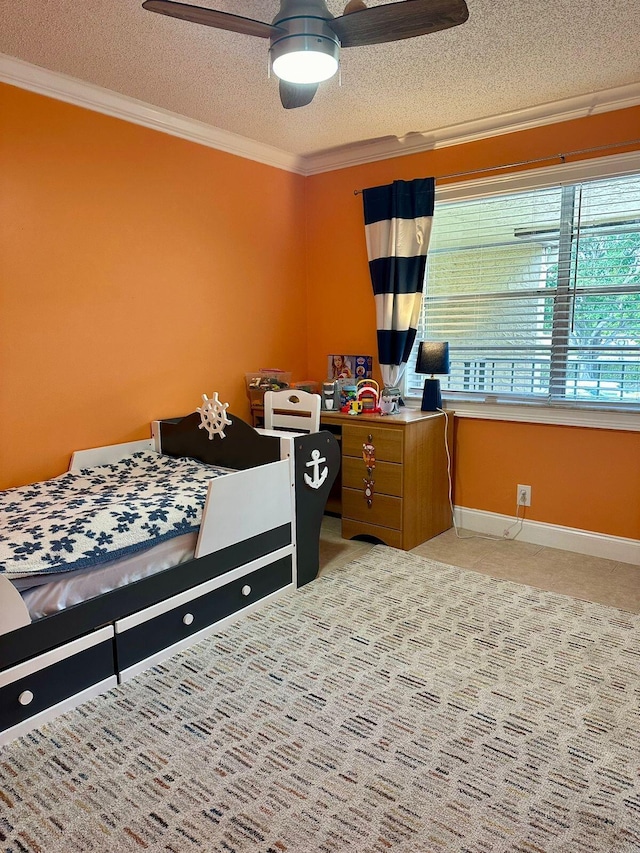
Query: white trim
{"points": [[13, 611], [155, 436], [55, 710], [581, 106], [610, 166], [262, 493], [215, 628], [183, 598], [28, 667], [52, 84], [288, 453], [77, 92], [109, 453], [533, 413], [277, 433], [553, 535]]}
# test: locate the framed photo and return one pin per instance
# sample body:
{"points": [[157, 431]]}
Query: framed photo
{"points": [[352, 367]]}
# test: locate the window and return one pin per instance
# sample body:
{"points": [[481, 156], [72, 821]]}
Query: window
{"points": [[538, 294]]}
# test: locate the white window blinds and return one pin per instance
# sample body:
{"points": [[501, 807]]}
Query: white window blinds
{"points": [[538, 294]]}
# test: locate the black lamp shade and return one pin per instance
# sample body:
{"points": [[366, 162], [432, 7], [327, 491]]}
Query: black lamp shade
{"points": [[433, 357]]}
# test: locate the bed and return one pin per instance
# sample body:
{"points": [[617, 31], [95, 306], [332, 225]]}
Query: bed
{"points": [[75, 621]]}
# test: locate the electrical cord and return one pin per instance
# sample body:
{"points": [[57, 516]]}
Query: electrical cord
{"points": [[518, 519]]}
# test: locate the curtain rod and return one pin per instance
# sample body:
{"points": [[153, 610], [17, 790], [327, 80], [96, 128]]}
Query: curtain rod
{"points": [[561, 157]]}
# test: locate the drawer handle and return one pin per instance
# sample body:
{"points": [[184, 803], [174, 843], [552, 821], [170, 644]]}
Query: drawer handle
{"points": [[26, 697], [369, 486], [188, 618], [246, 590], [369, 455]]}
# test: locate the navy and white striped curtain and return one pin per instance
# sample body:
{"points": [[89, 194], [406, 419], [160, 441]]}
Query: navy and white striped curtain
{"points": [[398, 221]]}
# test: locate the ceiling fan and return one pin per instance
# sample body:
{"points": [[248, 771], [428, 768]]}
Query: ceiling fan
{"points": [[305, 38]]}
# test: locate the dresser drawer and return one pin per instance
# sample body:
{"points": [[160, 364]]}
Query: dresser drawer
{"points": [[392, 538], [138, 637], [384, 510], [388, 442], [48, 679], [387, 476]]}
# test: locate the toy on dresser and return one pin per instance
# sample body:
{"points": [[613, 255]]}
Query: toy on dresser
{"points": [[330, 396], [390, 401], [363, 398]]}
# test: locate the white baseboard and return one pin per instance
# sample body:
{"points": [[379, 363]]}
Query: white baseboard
{"points": [[551, 535]]}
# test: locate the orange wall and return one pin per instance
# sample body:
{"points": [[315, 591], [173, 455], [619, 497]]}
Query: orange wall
{"points": [[579, 477], [584, 478], [137, 272]]}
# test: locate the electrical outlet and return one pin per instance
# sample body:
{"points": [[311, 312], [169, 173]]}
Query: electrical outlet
{"points": [[524, 495]]}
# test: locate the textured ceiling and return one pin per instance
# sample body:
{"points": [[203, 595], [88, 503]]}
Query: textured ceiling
{"points": [[510, 55]]}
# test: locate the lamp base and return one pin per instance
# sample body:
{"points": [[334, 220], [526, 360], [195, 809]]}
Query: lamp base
{"points": [[431, 396]]}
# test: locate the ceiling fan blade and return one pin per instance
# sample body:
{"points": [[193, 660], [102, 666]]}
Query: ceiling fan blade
{"points": [[294, 95], [395, 21], [212, 18]]}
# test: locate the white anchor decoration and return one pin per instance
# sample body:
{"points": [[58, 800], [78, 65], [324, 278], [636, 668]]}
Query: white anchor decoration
{"points": [[318, 477]]}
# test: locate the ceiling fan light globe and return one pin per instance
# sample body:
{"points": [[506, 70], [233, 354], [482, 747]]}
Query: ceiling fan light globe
{"points": [[305, 66]]}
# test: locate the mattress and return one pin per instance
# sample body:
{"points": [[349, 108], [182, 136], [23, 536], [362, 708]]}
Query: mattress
{"points": [[95, 515], [51, 594], [87, 532]]}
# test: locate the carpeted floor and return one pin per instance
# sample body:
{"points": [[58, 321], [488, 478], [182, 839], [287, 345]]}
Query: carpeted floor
{"points": [[395, 704]]}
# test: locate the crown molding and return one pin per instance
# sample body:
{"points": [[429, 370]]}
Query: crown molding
{"points": [[567, 109], [24, 75], [62, 87]]}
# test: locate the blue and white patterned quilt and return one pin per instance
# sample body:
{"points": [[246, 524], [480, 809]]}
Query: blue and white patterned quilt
{"points": [[92, 515]]}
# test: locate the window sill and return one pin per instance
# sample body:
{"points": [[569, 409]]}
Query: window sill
{"points": [[536, 413]]}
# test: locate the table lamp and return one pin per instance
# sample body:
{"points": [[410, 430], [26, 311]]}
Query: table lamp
{"points": [[433, 357]]}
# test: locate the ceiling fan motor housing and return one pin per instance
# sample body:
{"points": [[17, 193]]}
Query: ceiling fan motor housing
{"points": [[306, 39], [307, 36]]}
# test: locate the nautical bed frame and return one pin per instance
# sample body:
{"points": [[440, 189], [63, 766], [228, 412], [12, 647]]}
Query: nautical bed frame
{"points": [[259, 537]]}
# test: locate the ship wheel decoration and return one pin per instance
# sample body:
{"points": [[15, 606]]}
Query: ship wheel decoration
{"points": [[213, 415]]}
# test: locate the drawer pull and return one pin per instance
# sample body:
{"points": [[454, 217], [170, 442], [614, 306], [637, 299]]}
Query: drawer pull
{"points": [[369, 455], [26, 697], [246, 590], [369, 486], [188, 618]]}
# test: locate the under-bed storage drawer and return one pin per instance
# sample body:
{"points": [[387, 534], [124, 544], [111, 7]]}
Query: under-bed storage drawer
{"points": [[143, 634], [37, 684]]}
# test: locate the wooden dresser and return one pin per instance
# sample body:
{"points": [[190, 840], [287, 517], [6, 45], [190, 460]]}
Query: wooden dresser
{"points": [[410, 499]]}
